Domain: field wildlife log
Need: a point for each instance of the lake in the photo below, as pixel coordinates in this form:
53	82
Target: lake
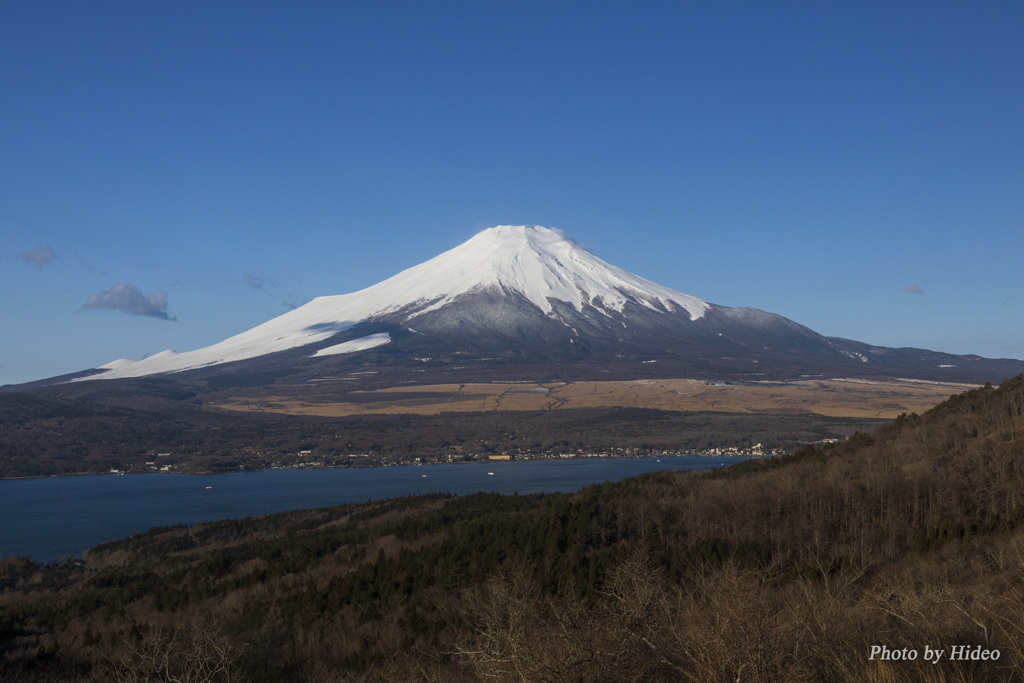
59	517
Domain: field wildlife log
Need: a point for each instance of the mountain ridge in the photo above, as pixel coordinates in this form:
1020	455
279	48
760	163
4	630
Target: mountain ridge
540	265
528	299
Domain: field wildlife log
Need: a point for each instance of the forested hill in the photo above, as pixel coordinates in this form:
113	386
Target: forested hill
788	569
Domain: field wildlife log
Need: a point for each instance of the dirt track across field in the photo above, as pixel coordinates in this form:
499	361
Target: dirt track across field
834	398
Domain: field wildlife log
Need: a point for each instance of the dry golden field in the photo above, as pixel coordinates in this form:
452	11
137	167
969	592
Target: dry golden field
834	398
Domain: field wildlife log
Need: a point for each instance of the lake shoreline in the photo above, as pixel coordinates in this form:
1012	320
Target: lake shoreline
60	517
539	458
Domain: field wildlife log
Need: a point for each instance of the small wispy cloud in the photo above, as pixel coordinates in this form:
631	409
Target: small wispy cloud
274	288
39	256
257	280
85	263
914	289
129	299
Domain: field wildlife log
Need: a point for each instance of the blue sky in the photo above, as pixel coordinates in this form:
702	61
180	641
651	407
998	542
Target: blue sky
172	173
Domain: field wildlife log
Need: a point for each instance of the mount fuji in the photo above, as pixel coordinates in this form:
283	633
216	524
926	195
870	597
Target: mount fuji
526	302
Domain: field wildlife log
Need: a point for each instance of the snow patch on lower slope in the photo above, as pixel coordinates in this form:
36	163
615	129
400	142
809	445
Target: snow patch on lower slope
309	324
354	345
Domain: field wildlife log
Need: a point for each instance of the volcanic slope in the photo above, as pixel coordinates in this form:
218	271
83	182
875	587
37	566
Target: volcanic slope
526	302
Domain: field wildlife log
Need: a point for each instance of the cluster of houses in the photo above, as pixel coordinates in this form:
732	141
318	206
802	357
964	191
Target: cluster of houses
314	458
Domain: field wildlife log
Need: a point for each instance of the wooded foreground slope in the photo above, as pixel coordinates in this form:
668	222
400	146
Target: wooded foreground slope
780	570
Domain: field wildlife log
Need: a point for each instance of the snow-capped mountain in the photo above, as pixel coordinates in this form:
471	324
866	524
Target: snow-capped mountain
527	295
533	264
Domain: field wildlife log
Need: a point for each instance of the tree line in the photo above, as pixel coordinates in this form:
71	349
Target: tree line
44	436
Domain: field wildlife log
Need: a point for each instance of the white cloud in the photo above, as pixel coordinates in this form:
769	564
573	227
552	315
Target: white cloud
258	280
128	299
39	256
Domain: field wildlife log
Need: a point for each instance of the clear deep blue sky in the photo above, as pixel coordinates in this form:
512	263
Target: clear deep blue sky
172	173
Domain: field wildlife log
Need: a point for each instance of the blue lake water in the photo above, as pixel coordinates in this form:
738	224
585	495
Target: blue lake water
59	517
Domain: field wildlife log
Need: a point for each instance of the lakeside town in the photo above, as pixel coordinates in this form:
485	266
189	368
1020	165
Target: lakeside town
312	459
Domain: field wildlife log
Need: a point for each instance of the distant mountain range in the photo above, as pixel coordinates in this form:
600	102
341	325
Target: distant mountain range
528	303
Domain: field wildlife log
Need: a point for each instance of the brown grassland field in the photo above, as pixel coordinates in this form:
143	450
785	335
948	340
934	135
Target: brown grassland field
832	397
